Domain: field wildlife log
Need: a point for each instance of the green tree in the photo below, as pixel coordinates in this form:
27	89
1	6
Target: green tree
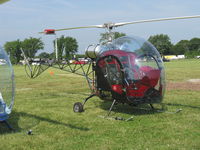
52	55
13	48
162	43
67	46
181	47
44	55
31	46
194	44
105	36
193	48
80	55
71	46
60	46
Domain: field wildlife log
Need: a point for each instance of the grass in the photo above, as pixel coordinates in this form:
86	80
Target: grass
44	105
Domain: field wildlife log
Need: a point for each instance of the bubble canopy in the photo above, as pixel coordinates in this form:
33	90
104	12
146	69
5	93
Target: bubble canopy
142	71
7	86
133	44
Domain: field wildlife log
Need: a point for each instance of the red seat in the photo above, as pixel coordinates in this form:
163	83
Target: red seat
151	76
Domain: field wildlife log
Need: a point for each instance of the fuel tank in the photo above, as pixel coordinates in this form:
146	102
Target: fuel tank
92	51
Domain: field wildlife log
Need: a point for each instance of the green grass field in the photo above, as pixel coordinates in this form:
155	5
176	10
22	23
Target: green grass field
44	105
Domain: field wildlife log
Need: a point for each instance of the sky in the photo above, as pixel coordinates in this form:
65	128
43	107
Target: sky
20	19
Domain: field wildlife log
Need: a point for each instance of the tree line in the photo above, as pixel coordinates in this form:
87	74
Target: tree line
30	46
189	48
162	42
68	46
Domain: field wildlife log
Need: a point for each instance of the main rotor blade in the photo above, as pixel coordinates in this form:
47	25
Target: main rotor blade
83	27
111	25
93	26
155	20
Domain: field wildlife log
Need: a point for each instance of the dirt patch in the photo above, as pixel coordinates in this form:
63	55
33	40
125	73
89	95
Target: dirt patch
194	80
183	86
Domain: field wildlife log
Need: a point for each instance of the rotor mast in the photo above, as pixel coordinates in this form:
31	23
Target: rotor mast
109	27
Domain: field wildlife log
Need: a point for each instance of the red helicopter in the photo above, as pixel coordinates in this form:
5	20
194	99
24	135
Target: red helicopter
125	70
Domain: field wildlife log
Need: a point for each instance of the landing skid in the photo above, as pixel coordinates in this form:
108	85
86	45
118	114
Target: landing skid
152	107
111	107
79	107
115	118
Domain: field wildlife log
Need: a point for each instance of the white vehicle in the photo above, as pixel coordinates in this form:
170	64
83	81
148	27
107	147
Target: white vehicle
2	62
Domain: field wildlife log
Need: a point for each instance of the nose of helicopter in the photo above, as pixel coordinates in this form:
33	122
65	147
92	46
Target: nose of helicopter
132	68
132	76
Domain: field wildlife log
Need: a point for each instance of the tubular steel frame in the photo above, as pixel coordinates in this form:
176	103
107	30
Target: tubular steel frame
35	68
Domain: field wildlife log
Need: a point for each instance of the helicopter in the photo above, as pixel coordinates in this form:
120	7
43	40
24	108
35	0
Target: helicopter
7	87
127	70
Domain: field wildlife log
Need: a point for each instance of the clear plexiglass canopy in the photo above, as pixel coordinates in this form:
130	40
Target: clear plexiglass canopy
142	64
6	85
133	44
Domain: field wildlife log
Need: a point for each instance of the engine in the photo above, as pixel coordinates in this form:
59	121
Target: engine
92	51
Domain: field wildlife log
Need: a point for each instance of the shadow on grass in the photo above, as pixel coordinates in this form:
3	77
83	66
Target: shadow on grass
182	105
143	109
15	117
127	109
13	122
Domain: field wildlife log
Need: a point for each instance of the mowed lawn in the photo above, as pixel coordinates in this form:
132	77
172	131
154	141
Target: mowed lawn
45	104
